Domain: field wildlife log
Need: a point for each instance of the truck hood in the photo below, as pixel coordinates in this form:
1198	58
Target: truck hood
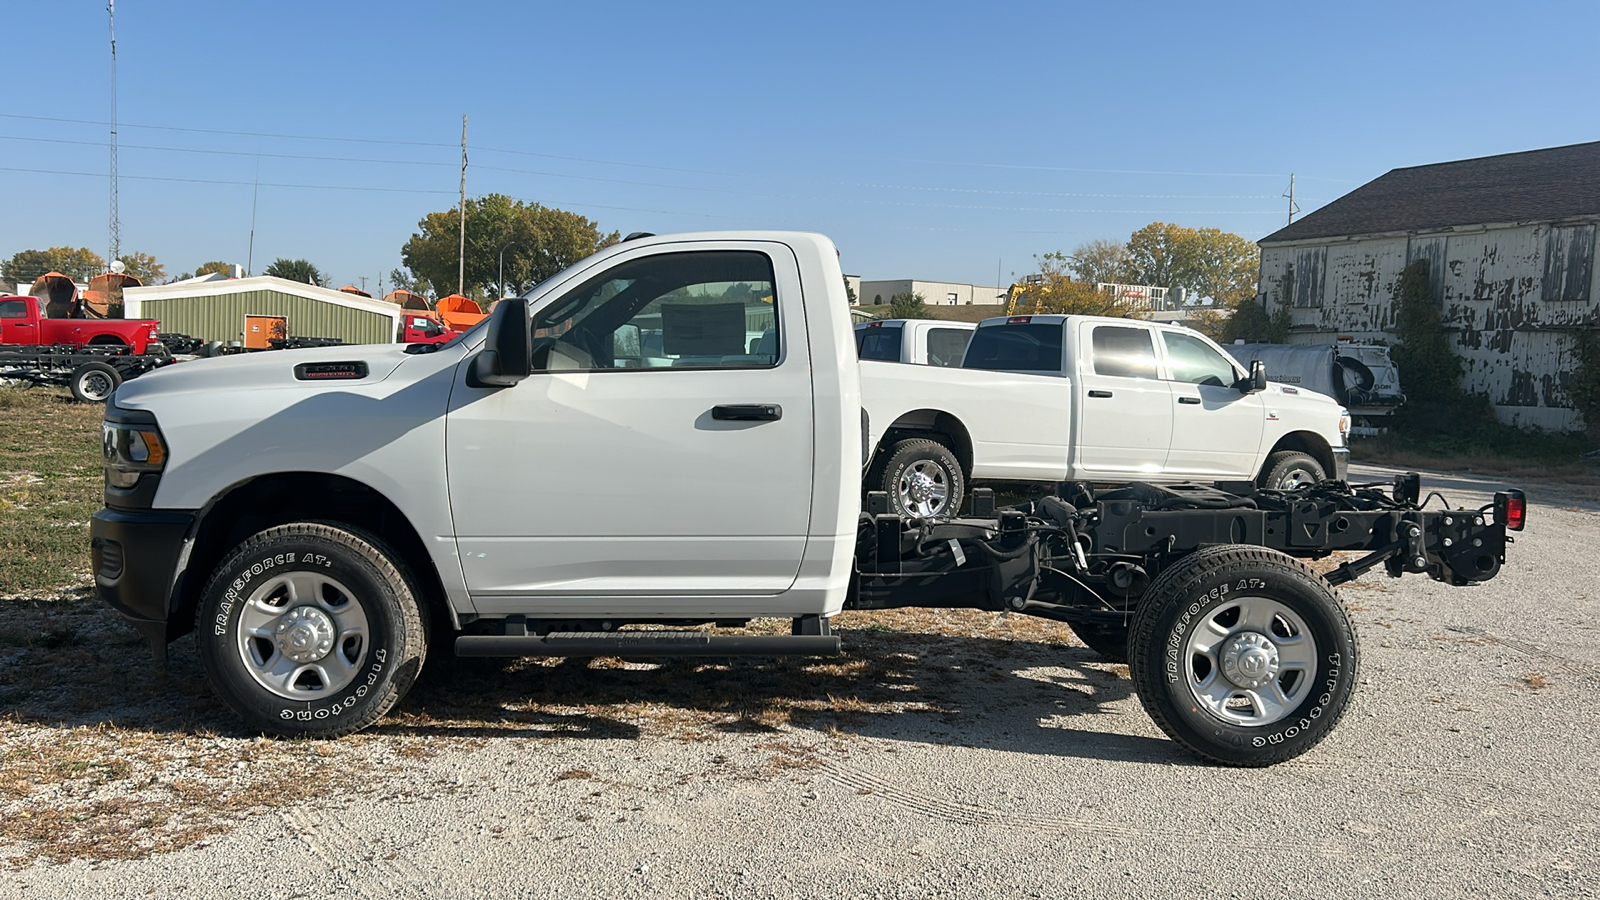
1289	395
263	369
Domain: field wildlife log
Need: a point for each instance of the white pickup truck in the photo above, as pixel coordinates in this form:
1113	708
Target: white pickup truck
670	434
1084	398
923	342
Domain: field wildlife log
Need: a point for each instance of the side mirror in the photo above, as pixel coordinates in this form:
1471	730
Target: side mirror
1256	381
507	354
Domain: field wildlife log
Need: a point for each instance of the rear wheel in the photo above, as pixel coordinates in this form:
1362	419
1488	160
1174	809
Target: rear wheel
310	629
1243	655
93	382
922	478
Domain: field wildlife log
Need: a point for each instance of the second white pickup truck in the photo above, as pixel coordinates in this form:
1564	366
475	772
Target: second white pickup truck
1084	398
923	342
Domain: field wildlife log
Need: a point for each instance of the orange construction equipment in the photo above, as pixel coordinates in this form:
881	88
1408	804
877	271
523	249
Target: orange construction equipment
352	289
459	313
406	299
58	294
105	290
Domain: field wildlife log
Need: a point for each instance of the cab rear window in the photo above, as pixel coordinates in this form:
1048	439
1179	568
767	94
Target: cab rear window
1015	348
879	343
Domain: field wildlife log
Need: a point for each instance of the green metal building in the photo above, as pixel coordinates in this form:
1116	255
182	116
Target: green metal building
216	310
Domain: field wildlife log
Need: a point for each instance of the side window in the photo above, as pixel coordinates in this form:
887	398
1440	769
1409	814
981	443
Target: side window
1124	352
1196	362
879	343
710	309
946	346
13	309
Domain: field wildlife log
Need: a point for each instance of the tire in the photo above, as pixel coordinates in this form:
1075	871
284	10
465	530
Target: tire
310	629
1110	641
922	478
1243	655
93	382
1288	470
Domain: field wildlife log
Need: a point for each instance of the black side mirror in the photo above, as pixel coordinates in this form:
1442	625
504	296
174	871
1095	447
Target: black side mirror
507	354
1256	381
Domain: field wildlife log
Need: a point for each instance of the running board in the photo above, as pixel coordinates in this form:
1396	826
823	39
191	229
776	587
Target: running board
646	643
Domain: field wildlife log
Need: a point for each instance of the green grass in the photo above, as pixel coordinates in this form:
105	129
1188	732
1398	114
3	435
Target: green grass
50	484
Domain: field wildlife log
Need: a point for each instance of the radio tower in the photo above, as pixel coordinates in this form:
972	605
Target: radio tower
116	226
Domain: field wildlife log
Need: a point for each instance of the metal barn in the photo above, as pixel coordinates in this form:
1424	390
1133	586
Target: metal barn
216	310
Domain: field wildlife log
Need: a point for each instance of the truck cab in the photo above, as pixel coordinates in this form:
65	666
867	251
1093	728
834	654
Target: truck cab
22	323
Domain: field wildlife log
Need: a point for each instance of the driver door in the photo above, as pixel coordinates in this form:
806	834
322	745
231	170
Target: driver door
662	448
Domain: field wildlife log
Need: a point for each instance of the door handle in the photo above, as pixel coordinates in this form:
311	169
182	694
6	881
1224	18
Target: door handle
1192	401
747	412
1099	394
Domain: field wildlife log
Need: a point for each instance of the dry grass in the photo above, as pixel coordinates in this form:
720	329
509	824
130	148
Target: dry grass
50	483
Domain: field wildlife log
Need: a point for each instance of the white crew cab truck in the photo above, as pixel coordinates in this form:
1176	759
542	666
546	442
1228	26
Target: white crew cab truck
670	434
1052	398
922	342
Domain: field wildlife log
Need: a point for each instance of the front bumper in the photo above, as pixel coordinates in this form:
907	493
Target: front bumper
1341	463
137	557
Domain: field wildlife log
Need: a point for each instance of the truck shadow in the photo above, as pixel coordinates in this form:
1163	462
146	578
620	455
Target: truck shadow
71	663
1000	694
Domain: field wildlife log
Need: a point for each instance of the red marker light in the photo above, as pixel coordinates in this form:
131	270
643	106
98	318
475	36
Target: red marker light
1511	508
1019	320
874	324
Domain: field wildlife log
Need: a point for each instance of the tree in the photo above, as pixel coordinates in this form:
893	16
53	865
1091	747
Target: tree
407	280
214	268
849	292
79	264
1163	255
1207	262
144	267
907	305
1252	323
1053	290
300	270
537	242
1101	261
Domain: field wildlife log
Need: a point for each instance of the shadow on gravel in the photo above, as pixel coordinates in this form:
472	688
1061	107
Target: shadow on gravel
979	692
70	663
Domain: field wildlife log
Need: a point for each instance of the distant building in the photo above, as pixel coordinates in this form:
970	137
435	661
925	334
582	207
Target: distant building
216	310
1510	246
934	293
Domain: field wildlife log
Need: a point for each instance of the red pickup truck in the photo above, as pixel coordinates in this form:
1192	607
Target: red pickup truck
22	323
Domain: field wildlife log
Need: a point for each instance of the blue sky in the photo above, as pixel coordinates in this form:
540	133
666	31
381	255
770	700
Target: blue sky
929	140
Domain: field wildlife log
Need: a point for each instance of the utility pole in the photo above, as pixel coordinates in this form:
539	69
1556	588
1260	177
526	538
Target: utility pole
1292	207
461	269
116	226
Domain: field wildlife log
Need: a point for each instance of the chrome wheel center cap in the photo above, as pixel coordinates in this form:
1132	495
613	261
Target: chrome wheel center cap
922	487
1249	659
305	634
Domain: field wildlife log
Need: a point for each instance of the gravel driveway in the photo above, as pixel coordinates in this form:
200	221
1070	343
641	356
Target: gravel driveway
1013	764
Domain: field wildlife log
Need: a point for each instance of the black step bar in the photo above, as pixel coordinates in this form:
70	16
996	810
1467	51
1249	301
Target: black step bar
646	643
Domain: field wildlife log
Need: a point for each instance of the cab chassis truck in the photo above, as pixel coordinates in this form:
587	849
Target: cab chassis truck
422	499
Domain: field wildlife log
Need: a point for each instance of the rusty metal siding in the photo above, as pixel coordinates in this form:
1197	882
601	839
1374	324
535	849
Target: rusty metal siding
1499	291
220	317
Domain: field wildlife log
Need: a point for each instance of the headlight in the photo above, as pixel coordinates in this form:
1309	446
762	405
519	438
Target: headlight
1344	426
130	451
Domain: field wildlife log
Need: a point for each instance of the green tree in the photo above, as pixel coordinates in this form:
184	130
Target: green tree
300	270
849	292
1429	367
1101	261
404	279
1252	323
537	242
1206	262
1162	255
907	305
144	267
77	263
217	267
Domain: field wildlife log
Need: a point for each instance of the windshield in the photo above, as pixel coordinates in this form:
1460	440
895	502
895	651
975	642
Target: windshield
1015	348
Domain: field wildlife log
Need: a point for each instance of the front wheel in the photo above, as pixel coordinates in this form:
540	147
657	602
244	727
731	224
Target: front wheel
1243	655
1289	470
310	629
93	382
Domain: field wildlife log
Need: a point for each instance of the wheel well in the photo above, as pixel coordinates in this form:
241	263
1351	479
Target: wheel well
101	340
284	497
934	425
1308	442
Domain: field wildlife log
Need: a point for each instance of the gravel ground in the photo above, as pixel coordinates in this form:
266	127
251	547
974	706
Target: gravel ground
1012	767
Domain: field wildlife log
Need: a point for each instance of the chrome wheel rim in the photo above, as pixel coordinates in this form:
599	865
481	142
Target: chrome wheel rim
1251	661
923	488
1297	478
302	635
